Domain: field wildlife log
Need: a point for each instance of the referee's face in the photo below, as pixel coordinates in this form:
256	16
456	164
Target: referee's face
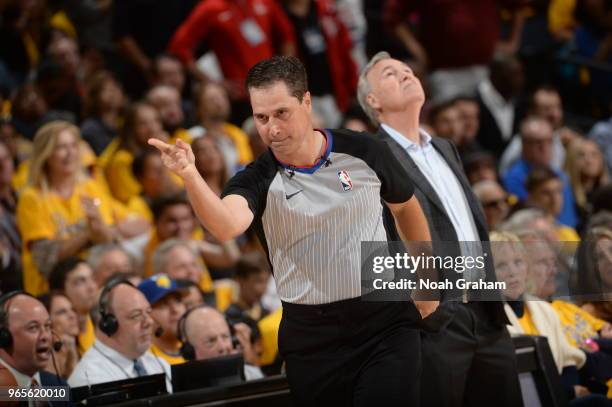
281	119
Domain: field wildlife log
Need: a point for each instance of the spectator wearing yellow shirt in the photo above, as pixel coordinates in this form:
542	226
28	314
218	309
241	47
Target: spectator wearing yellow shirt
561	20
211	166
74	277
252	275
531	315
209	163
89	166
174	218
141	123
578	324
62	212
268	327
153	178
213	110
526	314
167	308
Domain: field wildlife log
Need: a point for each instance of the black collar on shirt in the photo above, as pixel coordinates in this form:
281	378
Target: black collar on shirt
518	306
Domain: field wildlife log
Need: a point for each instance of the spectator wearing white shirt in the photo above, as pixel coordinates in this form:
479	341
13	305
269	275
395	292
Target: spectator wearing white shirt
123	337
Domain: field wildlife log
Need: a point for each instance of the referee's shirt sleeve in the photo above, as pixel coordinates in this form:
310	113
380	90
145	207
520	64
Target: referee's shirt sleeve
396	186
252	184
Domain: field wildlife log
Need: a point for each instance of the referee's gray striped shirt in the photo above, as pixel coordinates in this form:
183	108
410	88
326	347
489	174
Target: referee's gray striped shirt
312	221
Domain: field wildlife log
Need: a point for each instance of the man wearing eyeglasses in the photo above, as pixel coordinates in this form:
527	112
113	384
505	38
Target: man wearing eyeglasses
122	354
209	333
494	202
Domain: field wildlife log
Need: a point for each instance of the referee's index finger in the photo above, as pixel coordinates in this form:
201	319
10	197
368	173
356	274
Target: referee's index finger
160	145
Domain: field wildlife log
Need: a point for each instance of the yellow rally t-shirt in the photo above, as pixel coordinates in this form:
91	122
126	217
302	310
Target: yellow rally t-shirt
87	337
268	327
578	325
171	359
47	216
241	142
527	324
117	165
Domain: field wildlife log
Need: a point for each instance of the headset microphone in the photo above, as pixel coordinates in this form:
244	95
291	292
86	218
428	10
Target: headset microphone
159	331
327	162
56	342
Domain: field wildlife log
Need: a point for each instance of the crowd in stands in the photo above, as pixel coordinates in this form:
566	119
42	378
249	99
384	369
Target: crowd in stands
102	234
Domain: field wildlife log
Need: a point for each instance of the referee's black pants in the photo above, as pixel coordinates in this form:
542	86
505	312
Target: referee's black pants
471	362
352	353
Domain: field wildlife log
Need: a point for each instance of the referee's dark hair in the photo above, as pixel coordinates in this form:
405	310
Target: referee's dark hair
288	70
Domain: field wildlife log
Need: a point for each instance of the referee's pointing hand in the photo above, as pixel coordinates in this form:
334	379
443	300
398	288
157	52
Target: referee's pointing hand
178	158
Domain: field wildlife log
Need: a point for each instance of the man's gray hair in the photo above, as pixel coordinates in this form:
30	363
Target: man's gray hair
480	187
160	256
97	252
602	218
521	222
364	88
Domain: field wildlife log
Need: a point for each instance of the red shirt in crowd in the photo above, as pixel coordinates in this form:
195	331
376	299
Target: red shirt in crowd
454	33
240	32
339	45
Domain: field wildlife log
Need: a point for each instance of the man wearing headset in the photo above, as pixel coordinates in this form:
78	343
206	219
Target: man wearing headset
123	337
167	306
206	334
25	342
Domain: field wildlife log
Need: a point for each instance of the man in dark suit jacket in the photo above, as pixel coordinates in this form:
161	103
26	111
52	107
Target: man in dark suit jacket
25	345
501	107
468	357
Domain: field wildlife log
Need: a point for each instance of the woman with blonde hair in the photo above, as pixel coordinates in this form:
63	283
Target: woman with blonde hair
586	168
529	315
62	211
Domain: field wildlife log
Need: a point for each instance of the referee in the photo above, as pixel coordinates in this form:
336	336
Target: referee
312	198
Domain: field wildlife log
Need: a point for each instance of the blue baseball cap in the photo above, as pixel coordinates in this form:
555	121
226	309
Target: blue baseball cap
157	287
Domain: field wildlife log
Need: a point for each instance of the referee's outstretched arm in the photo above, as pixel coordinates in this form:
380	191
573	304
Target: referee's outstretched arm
224	218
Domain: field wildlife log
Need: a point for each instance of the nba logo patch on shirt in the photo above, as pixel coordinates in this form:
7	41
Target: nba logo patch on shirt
345	180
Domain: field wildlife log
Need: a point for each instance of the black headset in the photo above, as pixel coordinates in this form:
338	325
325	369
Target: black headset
187	350
6	338
108	322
